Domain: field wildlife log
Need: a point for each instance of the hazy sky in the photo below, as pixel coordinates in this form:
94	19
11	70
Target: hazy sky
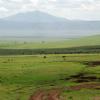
71	9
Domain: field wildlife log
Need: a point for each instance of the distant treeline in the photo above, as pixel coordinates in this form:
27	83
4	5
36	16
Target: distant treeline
73	50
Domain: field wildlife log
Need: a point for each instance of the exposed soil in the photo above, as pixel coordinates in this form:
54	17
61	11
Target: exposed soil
85	86
39	95
92	63
53	94
82	77
97	98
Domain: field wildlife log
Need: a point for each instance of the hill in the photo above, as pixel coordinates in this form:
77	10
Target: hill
39	24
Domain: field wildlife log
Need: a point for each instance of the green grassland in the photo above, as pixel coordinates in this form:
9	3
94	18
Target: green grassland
20	75
28	66
89	44
73	50
85	41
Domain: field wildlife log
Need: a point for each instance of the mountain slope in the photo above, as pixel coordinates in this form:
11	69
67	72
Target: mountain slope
40	24
35	17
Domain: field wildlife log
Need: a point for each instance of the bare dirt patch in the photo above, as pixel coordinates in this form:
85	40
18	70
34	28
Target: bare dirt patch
92	63
85	86
97	98
53	94
39	95
83	77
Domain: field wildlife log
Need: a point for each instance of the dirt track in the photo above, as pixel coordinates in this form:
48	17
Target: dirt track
54	94
97	98
51	95
39	95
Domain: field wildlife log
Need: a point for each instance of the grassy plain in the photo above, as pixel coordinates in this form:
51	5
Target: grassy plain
85	41
20	76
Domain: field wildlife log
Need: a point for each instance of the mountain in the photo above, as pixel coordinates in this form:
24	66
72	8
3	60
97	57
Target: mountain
35	17
40	24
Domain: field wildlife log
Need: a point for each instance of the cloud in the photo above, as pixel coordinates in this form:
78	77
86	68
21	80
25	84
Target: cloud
3	9
72	9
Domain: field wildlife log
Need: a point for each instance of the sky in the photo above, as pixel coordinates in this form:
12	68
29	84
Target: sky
69	9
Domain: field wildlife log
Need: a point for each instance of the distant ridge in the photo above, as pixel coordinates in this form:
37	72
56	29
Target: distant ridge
40	24
35	16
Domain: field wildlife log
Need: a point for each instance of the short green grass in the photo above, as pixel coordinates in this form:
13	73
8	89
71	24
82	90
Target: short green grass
20	76
81	95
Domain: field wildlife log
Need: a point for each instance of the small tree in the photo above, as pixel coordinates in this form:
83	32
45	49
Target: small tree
64	57
44	57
